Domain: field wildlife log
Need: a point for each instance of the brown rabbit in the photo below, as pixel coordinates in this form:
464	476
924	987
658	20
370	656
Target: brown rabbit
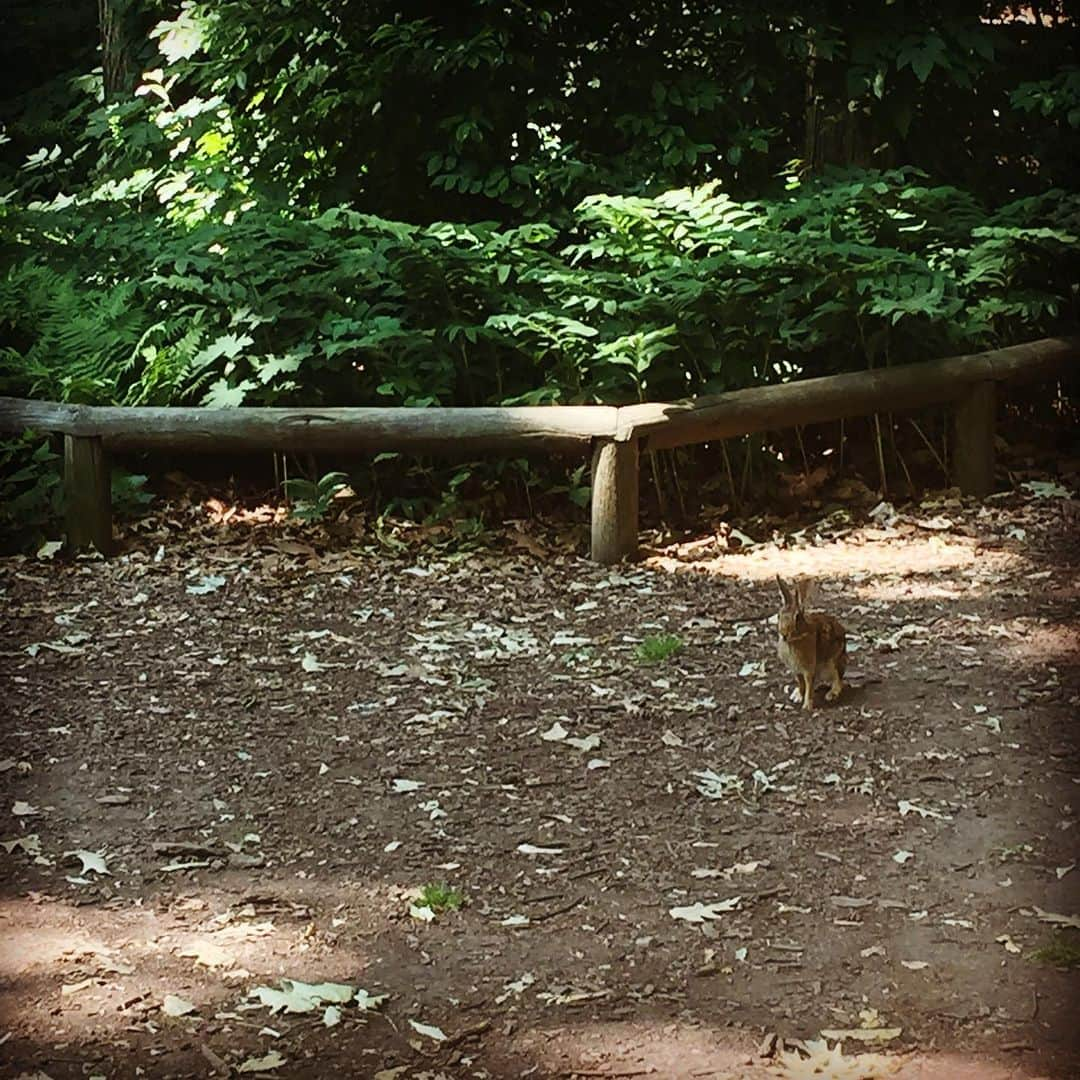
810	643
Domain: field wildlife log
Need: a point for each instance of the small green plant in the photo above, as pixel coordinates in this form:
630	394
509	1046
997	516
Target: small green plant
128	494
656	649
312	501
578	487
440	897
31	494
1063	952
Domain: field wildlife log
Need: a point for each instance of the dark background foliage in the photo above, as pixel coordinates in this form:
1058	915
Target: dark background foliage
475	202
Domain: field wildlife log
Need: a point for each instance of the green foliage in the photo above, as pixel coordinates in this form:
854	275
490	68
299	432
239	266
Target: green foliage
658	648
578	487
129	497
689	292
440	897
31	493
1063	951
312	501
395	203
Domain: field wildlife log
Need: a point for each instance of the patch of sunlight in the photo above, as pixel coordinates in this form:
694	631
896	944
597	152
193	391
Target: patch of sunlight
220	513
911	558
1044	645
678	1052
85	968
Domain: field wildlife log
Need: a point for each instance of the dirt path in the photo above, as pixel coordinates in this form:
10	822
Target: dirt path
272	751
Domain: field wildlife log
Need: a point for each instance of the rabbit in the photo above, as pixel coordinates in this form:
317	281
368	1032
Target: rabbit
810	643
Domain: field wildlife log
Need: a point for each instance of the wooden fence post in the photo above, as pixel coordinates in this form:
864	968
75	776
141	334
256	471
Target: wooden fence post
973	442
614	500
87	494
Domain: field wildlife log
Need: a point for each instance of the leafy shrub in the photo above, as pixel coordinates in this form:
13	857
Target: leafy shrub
31	493
690	292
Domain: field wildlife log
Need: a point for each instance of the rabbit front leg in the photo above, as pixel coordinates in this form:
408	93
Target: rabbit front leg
807	683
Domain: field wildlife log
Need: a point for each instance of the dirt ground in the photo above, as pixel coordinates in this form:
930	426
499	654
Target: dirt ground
262	748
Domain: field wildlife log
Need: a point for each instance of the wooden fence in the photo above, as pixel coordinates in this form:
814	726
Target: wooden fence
614	436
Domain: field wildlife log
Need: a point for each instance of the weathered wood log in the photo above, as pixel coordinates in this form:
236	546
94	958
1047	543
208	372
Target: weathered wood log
973	441
87	494
617	434
547	429
833	397
614	501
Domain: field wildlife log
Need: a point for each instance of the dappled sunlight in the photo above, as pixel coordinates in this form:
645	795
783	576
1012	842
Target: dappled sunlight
912	558
98	968
275	785
659	1047
684	1050
1035	645
221	513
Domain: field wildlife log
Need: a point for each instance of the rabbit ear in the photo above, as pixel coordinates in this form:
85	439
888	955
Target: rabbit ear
804	587
787	594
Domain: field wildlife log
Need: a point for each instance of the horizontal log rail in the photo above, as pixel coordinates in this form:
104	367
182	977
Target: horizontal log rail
834	397
614	435
563	428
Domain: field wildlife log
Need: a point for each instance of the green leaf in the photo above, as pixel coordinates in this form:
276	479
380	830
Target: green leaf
223	396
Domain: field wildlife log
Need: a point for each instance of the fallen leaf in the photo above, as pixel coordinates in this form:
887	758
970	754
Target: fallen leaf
29	844
698	912
300	997
273	1060
532	849
830	1062
208	954
1055	919
590	742
91	861
1045	489
905	807
427	1030
366	1002
207	584
176	1006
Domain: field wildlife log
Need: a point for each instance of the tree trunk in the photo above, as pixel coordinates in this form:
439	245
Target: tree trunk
117	69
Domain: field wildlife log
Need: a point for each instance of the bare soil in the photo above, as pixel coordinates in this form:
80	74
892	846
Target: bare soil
274	743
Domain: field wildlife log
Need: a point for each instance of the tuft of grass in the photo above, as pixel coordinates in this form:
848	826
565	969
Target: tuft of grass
440	897
1062	952
655	649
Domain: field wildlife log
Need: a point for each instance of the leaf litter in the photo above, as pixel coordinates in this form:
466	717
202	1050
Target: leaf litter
456	670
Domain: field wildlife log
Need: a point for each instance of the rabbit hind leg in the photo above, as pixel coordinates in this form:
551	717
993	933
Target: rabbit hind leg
836	678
